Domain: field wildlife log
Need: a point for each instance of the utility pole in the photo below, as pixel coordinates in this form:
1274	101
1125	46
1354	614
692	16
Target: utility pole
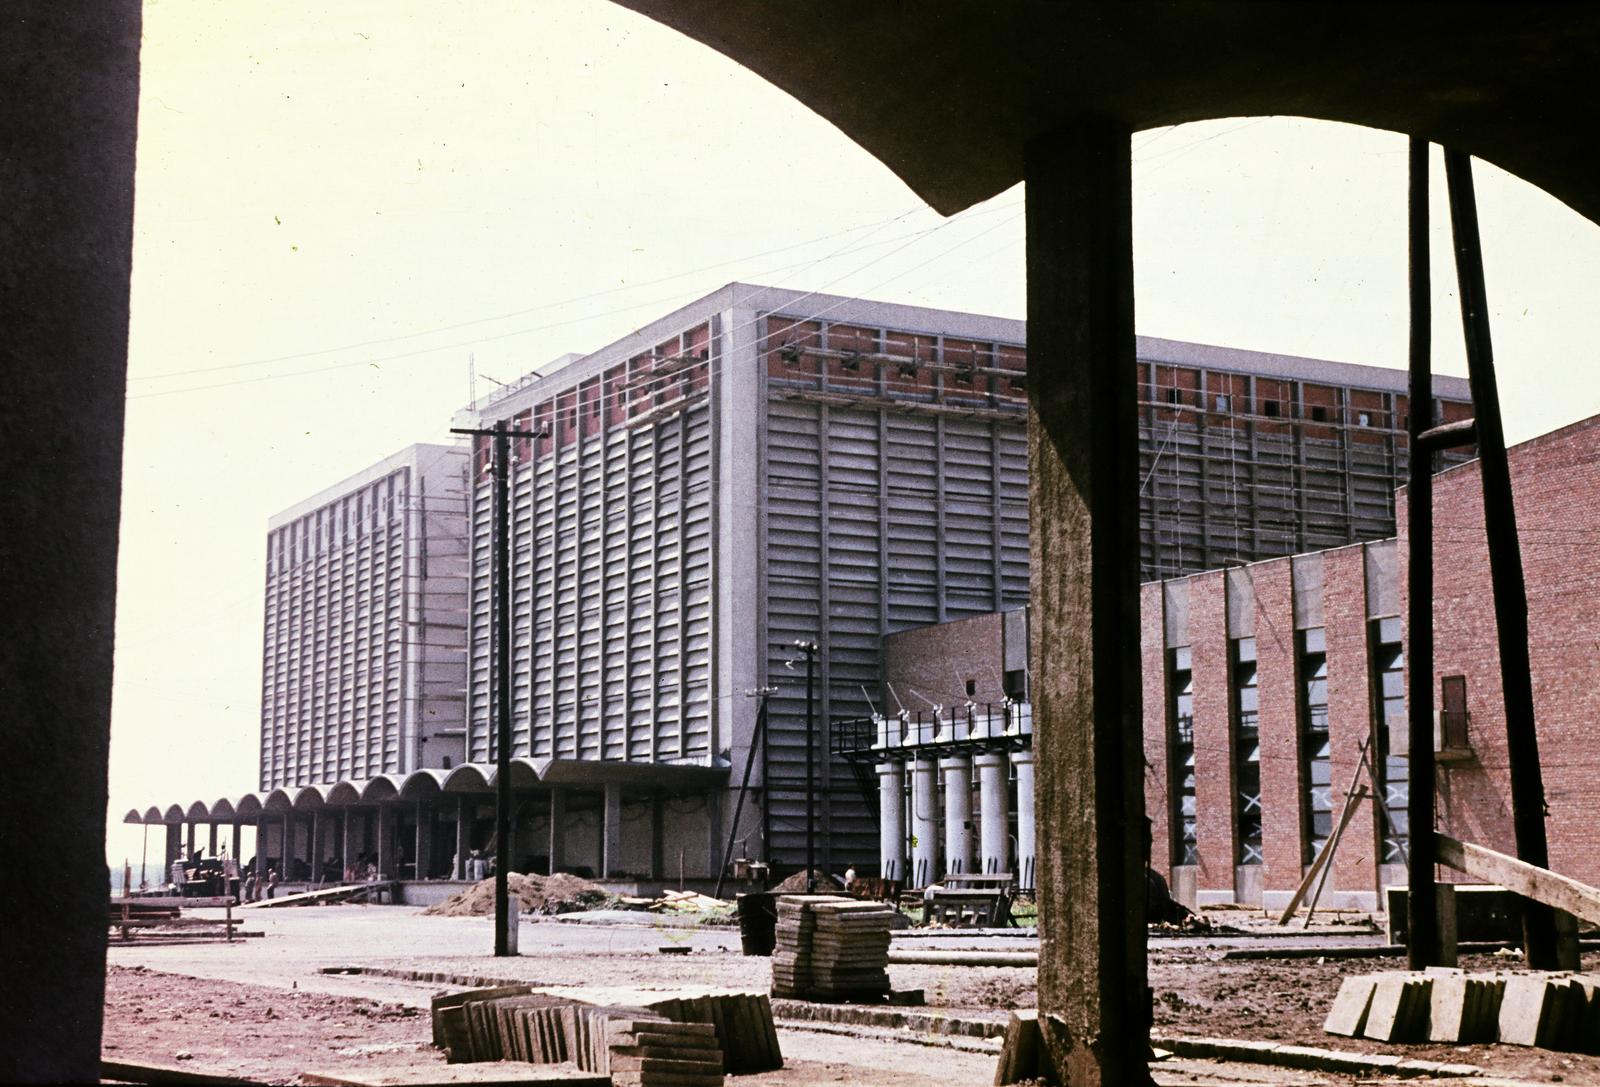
810	650
504	920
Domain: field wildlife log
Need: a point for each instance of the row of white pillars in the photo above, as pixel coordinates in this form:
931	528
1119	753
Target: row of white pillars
994	839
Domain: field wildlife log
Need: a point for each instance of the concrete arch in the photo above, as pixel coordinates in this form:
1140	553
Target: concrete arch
223	810
468	778
248	806
308	798
277	802
386	787
152	816
422	784
174	814
134	816
525	773
1508	82
198	812
345	793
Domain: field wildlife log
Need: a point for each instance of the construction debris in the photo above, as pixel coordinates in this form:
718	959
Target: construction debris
796	884
684	1041
1551	1011
560	893
830	947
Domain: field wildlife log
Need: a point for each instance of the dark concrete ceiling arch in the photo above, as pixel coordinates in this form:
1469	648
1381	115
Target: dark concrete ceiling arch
947	95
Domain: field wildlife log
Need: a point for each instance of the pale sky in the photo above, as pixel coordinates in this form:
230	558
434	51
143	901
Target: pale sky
335	208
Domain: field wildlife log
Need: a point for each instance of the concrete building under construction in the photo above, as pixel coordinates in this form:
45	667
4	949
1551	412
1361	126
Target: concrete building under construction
763	467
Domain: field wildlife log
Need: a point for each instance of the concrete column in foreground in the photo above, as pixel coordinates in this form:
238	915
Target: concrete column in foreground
424	841
189	829
174	849
1083	454
892	820
957	773
211	840
261	846
924	824
994	830
465	812
385	846
611	831
314	848
1023	761
658	837
558	830
238	842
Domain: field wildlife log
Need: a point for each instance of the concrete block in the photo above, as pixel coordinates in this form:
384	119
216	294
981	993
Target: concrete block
1525	1009
1447	1007
1348	1016
1399	1008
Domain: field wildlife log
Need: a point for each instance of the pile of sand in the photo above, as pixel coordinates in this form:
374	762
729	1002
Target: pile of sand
796	884
560	893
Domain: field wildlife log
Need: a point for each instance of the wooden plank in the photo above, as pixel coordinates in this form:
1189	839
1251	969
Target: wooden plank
1530	881
130	1072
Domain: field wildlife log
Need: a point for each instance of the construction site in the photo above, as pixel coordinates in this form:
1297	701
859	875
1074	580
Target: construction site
806	689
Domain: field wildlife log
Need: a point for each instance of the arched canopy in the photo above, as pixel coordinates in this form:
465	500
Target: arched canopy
134	816
248	807
467	778
173	814
152	815
345	793
277	802
948	95
223	810
525	773
307	798
386	787
198	812
422	784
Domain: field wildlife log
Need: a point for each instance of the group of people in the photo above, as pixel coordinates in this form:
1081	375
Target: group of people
255	888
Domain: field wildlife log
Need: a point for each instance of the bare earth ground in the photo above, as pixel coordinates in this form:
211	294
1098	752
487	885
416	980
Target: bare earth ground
266	1011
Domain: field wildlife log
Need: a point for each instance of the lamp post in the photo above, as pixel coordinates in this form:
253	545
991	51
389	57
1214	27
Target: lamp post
810	650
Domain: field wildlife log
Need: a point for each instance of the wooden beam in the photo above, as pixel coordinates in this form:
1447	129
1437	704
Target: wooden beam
1540	884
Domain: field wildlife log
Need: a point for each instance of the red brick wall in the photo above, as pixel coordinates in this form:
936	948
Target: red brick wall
1153	677
1555	479
1280	748
938	660
1344	610
1213	760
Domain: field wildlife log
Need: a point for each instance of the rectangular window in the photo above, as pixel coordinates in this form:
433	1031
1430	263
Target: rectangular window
1388	670
1185	848
1246	753
1270	409
1316	765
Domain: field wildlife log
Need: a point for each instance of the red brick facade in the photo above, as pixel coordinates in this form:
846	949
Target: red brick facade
1555	480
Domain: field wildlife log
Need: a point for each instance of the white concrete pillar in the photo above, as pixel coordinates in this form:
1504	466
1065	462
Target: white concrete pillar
611	831
924	824
957	813
892	820
1023	761
994	832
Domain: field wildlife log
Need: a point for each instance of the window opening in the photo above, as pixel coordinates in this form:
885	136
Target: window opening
1316	765
1246	752
1180	718
1388	666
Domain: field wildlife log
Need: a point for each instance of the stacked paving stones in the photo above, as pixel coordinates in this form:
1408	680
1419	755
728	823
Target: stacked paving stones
831	948
681	1041
1552	1011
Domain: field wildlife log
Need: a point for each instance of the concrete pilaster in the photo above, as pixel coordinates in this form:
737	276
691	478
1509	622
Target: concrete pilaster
957	813
238	841
465	812
211	840
558	830
611	830
994	842
658	837
924	824
385	846
188	838
1023	761
892	820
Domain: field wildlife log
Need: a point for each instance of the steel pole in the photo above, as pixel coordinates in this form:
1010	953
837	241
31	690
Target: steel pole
810	650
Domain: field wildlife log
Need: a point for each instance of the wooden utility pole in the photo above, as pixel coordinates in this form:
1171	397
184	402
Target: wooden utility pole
1505	559
504	919
1084	454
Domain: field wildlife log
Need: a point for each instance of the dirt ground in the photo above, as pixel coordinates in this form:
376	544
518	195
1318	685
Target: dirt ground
269	1008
